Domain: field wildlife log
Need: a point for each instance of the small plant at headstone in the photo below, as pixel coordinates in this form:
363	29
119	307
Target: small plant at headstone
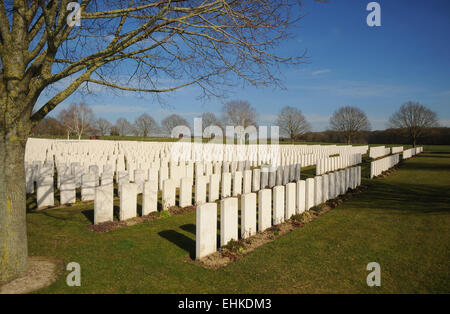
236	247
303	218
164	214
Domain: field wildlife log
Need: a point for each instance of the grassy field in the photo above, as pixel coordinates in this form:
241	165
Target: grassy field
402	222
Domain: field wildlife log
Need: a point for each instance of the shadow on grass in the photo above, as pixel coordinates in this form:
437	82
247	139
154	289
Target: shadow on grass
189	228
180	240
421	198
89	214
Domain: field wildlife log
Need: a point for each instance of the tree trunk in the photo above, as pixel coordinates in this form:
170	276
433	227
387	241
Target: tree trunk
13	234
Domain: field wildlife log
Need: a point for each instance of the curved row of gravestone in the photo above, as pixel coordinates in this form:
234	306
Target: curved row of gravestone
268	207
209	188
141	153
328	164
377	167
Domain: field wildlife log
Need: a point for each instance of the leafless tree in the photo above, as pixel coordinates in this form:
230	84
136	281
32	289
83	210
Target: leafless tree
172	121
349	121
165	45
124	126
239	113
114	131
103	126
145	125
77	119
415	119
208	119
292	122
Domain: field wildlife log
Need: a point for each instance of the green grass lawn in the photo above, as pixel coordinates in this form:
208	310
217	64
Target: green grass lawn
402	222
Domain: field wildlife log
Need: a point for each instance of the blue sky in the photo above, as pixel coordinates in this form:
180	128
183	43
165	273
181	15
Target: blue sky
349	63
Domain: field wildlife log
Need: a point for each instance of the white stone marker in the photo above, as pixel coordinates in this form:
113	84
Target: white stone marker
228	219
278	204
87	187
107	179
237	183
332	185
342	184
163	175
139	179
44	191
248	215
290	200
150	197
213	189
226	185
317	190
325	188
256	177
200	190
247	188
301	196
185	198
67	191
128	201
359	175
168	194
347	179
309	193
103	204
264	209
206	230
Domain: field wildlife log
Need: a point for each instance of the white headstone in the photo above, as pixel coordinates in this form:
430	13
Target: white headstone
248	215
150	197
206	230
228	220
278	204
128	201
103	204
264	209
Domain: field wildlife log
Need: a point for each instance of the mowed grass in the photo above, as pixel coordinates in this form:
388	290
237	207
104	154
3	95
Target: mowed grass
402	222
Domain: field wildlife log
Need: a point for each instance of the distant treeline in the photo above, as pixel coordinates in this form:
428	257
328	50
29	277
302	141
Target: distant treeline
432	136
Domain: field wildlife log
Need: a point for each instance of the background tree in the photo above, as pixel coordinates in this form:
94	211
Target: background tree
172	121
77	119
193	42
415	119
239	113
208	119
114	131
145	125
103	126
49	126
292	122
350	121
124	127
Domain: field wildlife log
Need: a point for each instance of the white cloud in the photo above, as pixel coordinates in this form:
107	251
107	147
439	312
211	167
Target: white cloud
318	72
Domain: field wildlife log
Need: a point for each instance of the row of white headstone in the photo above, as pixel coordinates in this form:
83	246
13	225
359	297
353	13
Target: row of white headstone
73	177
154	154
408	153
378	166
379	151
207	188
268	207
325	165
